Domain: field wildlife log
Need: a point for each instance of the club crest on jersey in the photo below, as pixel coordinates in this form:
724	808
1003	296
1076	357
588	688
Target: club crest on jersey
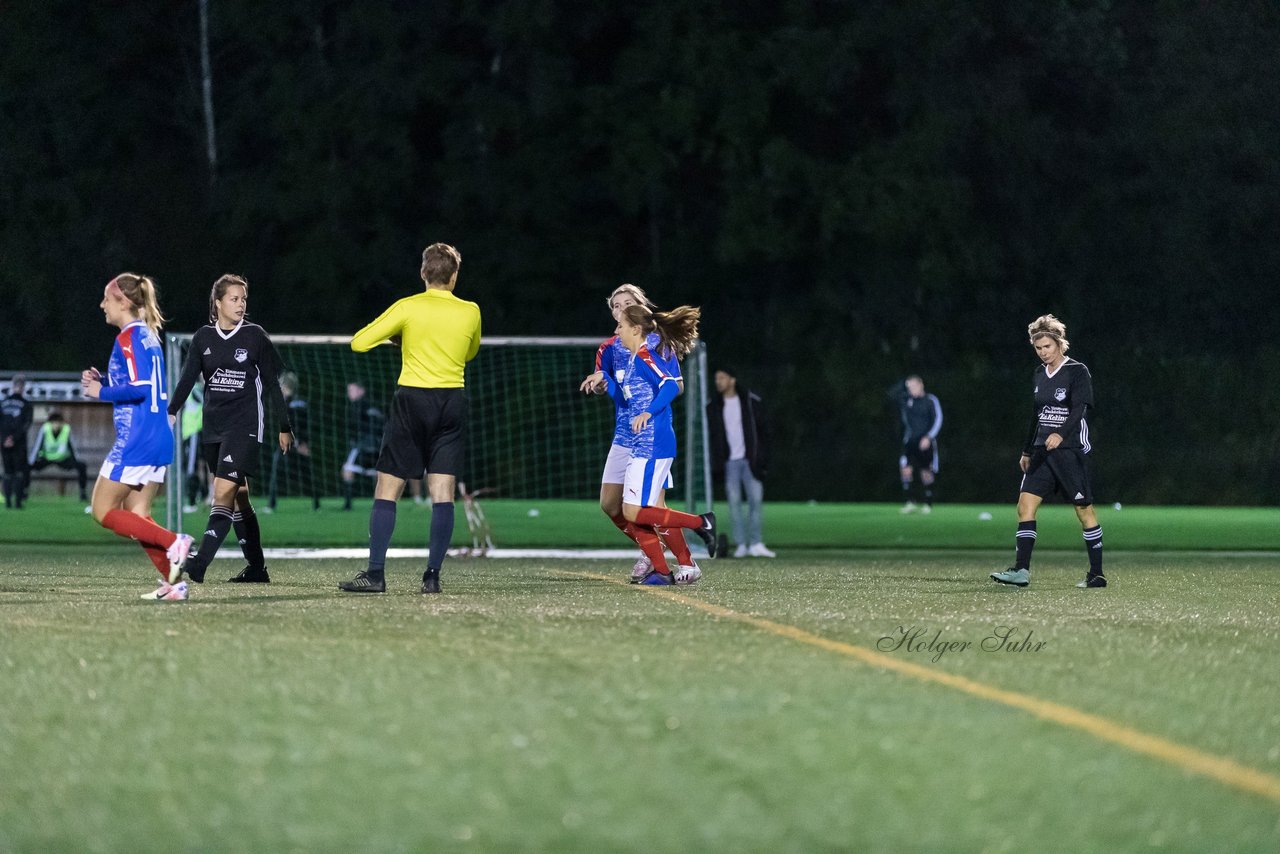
242	354
1059	394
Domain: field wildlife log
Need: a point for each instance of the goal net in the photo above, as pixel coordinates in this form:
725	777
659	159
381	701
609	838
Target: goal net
531	434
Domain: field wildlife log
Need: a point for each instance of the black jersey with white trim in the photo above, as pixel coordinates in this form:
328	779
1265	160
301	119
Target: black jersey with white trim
240	370
1063	399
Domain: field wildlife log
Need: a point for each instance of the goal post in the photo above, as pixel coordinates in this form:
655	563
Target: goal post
531	434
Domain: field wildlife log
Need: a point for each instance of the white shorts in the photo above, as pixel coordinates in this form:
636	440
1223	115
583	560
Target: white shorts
132	475
645	481
615	465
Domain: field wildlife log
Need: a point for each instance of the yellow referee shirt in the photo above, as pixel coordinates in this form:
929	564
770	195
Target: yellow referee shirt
439	334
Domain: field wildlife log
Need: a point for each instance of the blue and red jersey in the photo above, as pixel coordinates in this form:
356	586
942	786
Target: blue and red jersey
612	359
650	382
135	385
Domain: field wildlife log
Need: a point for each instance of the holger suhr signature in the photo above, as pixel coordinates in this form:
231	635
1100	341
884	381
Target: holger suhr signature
925	641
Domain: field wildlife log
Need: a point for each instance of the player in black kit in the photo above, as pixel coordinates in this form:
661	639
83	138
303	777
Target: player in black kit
921	415
1055	457
239	365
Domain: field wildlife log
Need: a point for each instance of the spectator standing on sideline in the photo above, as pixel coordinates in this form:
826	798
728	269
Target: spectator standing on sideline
739	453
15	420
364	431
296	466
438	335
54	448
921	420
1055	456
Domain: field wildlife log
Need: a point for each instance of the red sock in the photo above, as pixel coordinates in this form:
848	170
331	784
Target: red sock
674	538
651	546
665	517
160	557
623	525
140	528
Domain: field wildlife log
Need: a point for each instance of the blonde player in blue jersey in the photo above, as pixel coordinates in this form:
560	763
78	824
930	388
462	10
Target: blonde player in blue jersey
135	466
612	358
648	387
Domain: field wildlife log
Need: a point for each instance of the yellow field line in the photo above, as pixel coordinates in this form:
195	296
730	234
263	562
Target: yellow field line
1219	768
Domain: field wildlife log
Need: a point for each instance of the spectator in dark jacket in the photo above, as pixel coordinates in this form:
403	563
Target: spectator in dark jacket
15	421
739	443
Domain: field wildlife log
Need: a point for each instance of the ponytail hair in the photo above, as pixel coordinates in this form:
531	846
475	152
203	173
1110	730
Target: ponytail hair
219	291
677	329
141	293
1048	326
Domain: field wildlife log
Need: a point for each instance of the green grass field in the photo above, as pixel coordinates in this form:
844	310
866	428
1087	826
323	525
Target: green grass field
580	524
543	706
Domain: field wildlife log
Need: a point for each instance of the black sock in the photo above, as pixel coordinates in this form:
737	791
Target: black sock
8	491
441	533
928	494
382	523
215	532
348	489
1025	541
250	537
1093	545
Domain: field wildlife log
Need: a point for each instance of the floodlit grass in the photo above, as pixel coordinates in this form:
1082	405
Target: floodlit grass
535	707
787	525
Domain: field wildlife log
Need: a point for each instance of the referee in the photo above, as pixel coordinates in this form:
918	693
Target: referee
426	431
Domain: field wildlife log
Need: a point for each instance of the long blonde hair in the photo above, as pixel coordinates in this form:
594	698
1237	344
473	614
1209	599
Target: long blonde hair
142	293
633	291
1048	326
677	329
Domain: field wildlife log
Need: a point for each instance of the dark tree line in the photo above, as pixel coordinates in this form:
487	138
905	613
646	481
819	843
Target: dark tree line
851	191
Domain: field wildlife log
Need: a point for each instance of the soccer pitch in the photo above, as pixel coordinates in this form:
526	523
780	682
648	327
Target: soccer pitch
832	699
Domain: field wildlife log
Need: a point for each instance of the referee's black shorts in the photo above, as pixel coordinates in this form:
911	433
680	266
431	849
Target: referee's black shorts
1066	471
426	433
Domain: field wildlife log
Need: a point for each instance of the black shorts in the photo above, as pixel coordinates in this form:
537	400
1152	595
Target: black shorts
1066	471
425	433
918	459
232	459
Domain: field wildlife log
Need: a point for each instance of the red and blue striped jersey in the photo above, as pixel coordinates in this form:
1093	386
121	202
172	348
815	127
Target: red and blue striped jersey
135	385
612	359
649	384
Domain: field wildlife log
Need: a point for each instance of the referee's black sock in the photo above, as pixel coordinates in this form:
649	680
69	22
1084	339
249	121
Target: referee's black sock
1093	545
382	523
441	533
1024	542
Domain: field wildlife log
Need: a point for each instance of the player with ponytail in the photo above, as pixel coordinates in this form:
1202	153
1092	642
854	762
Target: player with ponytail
647	388
135	466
